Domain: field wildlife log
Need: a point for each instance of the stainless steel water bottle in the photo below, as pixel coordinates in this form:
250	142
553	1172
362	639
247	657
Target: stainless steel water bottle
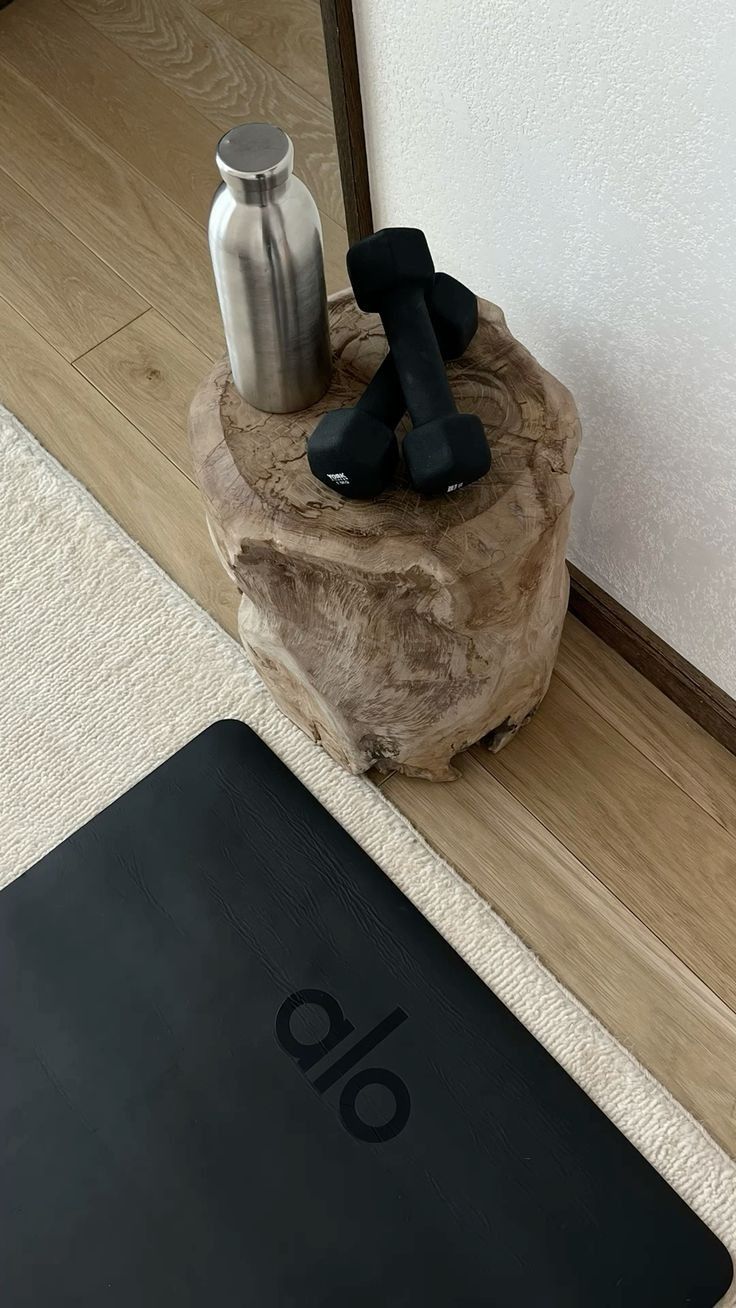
266	246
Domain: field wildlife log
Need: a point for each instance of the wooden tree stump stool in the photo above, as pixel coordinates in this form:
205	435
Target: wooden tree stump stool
397	632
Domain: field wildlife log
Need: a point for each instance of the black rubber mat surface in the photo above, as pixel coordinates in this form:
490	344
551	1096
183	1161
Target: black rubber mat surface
237	1067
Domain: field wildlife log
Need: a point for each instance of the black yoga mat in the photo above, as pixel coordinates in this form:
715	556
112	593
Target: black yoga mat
239	1068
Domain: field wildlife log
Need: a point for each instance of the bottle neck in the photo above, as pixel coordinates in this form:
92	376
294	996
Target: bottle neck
252	192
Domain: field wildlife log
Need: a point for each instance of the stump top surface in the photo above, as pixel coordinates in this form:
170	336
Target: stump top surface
253	471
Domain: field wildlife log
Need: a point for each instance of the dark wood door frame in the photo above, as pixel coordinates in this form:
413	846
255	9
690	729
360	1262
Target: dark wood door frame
347	107
643	649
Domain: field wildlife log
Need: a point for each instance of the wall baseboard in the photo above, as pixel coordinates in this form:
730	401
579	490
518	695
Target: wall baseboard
690	689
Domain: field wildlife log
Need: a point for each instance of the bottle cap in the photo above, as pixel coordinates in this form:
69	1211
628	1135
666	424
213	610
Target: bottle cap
259	155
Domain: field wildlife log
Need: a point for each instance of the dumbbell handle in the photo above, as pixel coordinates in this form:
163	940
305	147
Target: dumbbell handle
419	363
383	397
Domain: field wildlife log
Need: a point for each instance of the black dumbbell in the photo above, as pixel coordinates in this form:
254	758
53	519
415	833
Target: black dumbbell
391	274
354	451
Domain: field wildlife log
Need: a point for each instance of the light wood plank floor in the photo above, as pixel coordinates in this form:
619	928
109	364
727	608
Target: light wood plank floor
605	834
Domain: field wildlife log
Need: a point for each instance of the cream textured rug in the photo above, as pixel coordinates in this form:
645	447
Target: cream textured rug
108	668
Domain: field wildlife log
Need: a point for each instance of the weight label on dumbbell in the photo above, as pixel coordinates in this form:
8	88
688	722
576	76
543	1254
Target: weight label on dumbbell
339	478
306	1056
456	485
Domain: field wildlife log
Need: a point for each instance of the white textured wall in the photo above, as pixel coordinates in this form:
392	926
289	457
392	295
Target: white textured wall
573	160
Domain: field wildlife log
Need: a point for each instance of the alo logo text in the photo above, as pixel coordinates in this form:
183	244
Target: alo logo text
307	1055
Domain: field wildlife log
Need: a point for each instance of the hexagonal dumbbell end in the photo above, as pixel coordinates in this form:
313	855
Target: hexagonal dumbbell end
385	262
353	452
447	453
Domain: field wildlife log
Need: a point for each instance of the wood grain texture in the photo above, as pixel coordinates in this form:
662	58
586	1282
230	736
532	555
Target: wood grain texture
69	295
654	847
148	496
195	61
149	372
130	110
288	35
347	106
398	632
148	241
131	117
592	942
666	735
684	684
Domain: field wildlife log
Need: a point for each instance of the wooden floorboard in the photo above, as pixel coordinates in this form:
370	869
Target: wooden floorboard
136	116
138	485
605	834
72	298
654	1004
149	371
654	847
213	74
670	739
288	35
128	109
124	219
